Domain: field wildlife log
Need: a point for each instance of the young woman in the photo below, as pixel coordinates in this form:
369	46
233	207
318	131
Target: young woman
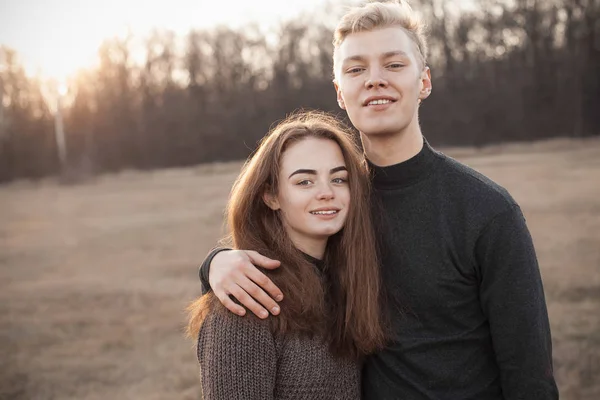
303	199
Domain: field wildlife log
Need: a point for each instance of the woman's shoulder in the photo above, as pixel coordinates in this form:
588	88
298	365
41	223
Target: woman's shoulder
220	321
224	333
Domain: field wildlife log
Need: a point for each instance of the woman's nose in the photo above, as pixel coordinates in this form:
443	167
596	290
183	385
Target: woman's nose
325	192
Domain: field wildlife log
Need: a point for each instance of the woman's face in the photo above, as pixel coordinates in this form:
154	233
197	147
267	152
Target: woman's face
313	195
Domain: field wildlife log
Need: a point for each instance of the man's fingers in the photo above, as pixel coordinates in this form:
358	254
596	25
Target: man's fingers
260	296
239	277
262	261
230	304
248	302
267	285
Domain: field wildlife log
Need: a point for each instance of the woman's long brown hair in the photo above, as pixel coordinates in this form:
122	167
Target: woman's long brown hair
343	304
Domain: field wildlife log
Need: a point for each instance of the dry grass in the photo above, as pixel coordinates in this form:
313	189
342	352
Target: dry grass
94	277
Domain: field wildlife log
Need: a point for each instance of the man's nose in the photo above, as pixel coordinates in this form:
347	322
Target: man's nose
376	79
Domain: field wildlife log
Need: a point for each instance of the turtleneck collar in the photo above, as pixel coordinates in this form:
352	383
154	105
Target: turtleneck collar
405	173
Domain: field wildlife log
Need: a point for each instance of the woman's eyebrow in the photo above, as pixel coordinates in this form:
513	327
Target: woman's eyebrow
303	171
336	169
314	172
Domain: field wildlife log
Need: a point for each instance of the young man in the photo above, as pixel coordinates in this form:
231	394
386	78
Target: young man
465	296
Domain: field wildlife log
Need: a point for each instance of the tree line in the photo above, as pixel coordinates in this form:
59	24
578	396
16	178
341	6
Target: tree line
507	71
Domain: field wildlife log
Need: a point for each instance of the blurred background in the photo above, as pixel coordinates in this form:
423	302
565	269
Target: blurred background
124	123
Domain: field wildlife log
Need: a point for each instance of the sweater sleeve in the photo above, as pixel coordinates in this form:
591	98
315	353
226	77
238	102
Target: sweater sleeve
204	269
237	358
512	297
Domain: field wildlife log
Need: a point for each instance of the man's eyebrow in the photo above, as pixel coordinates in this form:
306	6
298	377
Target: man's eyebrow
353	58
314	172
395	53
387	54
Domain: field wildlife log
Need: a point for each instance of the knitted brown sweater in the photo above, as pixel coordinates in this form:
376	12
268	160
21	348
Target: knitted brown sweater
241	359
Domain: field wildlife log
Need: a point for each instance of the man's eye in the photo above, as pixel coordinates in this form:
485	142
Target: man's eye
396	65
354	70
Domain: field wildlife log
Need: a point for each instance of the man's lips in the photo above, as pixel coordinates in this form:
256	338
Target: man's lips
378	100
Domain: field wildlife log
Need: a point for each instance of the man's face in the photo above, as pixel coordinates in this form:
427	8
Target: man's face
380	80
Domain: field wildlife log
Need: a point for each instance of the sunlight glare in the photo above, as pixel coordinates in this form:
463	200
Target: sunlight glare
62	89
68	33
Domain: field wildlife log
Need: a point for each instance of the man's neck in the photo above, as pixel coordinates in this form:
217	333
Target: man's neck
388	150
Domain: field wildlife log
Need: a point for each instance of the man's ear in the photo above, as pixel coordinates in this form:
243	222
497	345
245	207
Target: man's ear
425	83
271	200
338	92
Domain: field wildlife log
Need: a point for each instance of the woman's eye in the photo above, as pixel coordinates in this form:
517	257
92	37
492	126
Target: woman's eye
304	182
340	180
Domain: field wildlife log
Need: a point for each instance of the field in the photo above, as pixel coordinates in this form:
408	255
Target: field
94	277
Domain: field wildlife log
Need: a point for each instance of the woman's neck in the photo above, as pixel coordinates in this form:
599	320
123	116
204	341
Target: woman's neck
313	247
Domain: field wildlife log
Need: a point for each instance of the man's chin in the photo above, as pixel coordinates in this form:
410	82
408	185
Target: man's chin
380	131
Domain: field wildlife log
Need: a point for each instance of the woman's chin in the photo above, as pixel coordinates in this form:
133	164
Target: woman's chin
326	232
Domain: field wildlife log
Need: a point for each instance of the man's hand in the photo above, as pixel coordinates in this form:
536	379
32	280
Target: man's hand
233	273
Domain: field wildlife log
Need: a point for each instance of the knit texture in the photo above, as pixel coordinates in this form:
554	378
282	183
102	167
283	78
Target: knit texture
241	359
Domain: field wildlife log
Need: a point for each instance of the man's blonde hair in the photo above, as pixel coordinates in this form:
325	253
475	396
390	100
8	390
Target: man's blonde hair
378	15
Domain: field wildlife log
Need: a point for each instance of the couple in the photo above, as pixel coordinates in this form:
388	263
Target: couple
448	304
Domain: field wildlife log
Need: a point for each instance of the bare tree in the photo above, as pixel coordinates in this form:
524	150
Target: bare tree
509	70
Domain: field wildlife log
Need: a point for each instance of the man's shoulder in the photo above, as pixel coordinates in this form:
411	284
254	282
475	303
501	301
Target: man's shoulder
473	184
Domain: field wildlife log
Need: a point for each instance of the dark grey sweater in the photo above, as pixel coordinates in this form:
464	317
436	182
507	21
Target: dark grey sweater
464	289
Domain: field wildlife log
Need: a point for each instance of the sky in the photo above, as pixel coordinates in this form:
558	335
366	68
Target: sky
54	38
